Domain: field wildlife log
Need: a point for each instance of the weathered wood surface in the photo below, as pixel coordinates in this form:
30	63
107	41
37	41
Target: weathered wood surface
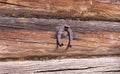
34	39
103	65
72	9
26	37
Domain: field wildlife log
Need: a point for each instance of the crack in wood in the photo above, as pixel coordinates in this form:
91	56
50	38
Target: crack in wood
24	41
66	69
15	4
110	71
11	27
33	27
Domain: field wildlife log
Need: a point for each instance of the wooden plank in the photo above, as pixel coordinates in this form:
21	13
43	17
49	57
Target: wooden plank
26	37
102	65
72	9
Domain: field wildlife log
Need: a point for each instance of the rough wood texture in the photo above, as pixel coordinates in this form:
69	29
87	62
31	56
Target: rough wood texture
25	37
34	39
72	9
104	65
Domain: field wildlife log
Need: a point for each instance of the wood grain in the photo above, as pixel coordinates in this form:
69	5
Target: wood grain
62	9
103	65
27	37
27	32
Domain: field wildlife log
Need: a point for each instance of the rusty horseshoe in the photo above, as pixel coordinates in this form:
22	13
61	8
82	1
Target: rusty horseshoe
59	33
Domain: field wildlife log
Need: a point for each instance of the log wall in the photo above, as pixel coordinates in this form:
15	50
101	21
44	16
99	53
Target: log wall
25	37
62	9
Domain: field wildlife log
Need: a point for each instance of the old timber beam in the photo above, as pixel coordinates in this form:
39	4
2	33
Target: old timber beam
27	37
67	9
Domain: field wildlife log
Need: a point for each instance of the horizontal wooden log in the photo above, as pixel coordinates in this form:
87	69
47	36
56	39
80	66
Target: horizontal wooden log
104	65
72	9
27	37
